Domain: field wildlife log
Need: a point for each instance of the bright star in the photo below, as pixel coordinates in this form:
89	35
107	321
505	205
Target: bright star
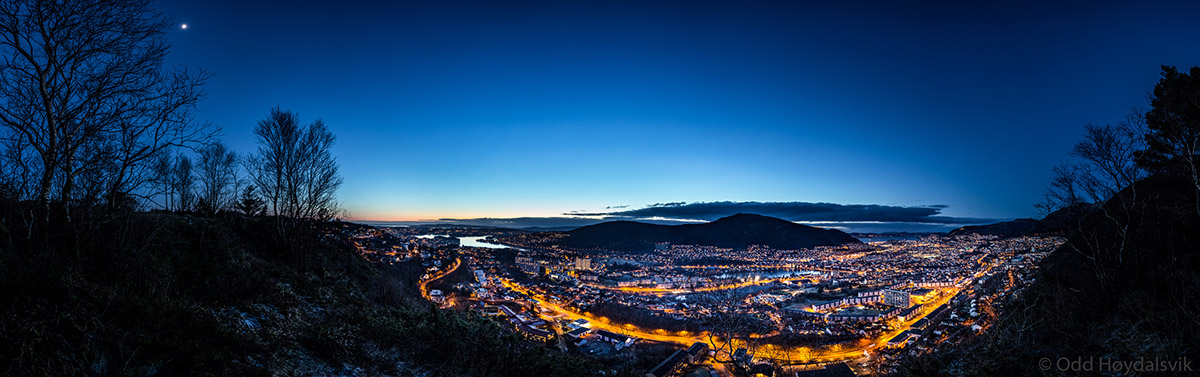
183	26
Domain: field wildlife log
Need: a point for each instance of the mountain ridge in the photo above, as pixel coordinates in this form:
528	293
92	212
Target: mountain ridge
736	231
1057	222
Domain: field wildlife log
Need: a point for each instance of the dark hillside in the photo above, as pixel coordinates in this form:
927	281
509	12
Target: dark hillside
1058	222
1110	291
166	294
1012	228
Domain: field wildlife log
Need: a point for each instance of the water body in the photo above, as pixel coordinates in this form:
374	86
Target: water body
471	241
768	275
478	242
913	237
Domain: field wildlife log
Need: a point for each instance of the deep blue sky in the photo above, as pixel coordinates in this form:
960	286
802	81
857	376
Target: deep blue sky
464	109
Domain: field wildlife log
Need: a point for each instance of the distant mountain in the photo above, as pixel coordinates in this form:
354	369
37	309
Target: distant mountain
1056	222
861	235
737	231
548	228
1014	228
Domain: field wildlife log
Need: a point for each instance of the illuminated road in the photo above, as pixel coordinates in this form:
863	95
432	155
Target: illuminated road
425	283
597	323
662	291
799	354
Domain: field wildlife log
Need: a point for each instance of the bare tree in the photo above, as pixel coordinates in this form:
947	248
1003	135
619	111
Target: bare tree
218	175
183	183
162	180
730	329
78	74
294	168
1064	191
17	163
92	169
1107	166
1110	155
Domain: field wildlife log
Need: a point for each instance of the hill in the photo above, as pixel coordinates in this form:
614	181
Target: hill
1122	287
1057	222
738	231
171	294
1012	228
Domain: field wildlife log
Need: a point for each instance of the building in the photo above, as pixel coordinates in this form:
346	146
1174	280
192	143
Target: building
618	340
835	370
911	312
481	277
437	296
583	264
890	297
939	284
743	357
672	365
578	333
490	310
697	352
896	298
531	330
528	265
939	311
900	339
826	306
922	324
675	363
507	311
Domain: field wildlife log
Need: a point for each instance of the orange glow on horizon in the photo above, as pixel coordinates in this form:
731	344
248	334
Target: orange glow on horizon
371	216
416	211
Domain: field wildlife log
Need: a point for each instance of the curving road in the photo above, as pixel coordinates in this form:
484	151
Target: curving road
662	291
827	354
424	286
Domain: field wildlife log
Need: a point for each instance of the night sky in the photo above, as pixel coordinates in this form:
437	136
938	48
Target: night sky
447	109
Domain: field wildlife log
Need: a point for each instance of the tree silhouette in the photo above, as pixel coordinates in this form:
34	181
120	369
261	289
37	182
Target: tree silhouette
1107	164
729	329
294	167
1173	143
162	180
183	183
218	175
250	203
83	93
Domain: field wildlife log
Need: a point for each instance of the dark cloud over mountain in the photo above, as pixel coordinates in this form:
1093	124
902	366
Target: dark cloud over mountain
794	211
848	217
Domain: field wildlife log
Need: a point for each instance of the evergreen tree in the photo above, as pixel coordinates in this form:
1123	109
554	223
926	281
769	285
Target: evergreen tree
1173	143
250	203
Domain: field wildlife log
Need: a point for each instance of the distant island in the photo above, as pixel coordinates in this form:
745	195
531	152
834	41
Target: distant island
736	232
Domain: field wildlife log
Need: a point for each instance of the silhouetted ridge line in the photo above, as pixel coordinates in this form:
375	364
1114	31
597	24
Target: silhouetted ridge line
737	232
